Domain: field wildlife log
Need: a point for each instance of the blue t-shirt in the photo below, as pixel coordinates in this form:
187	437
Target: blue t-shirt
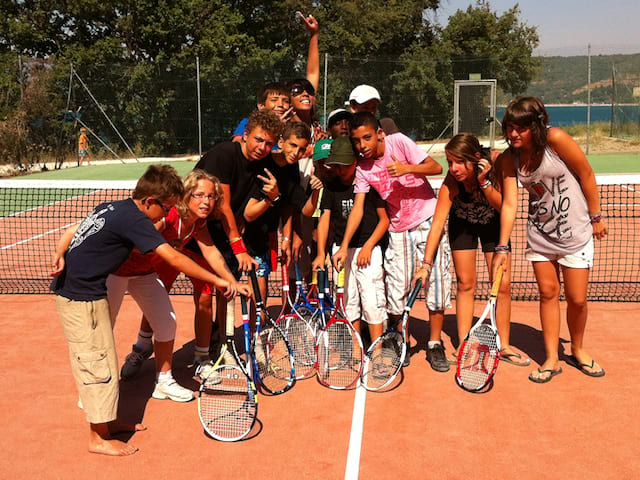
101	244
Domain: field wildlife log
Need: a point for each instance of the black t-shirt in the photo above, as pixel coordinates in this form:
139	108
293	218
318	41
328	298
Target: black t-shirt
227	162
256	235
339	198
101	244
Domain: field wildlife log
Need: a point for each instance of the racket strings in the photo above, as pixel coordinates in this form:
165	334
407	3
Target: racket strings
478	358
227	405
273	359
339	355
384	360
302	341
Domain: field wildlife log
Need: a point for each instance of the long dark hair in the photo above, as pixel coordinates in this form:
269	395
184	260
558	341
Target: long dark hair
465	146
528	112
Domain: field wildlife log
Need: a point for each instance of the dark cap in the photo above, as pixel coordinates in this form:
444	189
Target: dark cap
341	152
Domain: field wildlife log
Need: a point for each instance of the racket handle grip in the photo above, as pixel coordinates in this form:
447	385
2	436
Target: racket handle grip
497	281
243	305
414	293
255	286
296	267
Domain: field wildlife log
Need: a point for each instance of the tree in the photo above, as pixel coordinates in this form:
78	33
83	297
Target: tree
496	46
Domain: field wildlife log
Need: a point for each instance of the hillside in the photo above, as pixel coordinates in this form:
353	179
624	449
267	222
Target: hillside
564	79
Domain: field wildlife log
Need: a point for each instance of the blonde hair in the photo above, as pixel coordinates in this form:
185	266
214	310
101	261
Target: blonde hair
190	183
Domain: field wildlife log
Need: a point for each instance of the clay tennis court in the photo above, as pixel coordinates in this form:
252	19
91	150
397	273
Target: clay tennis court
573	427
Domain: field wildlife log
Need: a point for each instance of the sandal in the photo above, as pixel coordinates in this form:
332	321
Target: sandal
514	358
539	379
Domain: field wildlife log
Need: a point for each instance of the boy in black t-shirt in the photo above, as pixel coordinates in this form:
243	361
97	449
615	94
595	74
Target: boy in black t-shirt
364	277
84	258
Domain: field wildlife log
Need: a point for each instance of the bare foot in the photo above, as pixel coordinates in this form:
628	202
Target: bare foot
120	426
114	448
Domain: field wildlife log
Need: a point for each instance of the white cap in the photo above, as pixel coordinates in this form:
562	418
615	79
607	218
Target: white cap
338	112
364	93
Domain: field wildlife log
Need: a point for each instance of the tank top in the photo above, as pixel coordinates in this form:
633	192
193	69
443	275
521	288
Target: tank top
472	207
558	218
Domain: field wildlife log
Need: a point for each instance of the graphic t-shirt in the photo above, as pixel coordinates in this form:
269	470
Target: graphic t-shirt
101	244
339	198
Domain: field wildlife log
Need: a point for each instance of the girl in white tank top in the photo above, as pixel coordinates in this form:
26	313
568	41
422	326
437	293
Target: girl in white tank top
564	216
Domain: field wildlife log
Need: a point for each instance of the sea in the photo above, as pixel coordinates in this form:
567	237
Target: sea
563	115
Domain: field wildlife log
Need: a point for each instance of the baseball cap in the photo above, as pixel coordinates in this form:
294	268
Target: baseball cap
364	93
338	114
341	152
322	149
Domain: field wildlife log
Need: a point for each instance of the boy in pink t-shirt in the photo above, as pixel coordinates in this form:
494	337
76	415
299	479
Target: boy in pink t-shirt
396	168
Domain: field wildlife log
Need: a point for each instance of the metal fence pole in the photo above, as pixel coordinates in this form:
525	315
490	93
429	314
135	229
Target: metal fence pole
199	111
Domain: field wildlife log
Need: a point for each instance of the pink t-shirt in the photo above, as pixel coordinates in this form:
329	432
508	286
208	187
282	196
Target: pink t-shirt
410	198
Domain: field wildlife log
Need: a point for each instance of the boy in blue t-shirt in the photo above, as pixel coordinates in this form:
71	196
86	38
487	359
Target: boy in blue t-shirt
84	258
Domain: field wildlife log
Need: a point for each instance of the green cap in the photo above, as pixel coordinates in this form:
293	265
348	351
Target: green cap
341	152
322	149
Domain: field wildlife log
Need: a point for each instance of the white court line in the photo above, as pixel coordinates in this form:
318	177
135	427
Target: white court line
355	439
64	227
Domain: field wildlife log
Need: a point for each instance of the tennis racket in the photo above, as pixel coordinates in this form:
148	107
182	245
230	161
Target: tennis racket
299	333
228	401
480	352
273	354
384	358
302	304
339	347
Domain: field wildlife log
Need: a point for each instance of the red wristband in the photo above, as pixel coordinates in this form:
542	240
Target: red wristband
238	247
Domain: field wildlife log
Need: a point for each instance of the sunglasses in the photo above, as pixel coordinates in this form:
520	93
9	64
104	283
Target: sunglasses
300	88
162	205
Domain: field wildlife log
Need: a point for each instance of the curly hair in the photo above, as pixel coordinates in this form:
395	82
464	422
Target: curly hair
268	120
528	112
190	183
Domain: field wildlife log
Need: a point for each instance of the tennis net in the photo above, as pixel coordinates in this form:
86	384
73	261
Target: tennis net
33	215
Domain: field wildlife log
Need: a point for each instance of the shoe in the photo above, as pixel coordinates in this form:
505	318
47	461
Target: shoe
172	390
133	362
574	362
538	379
407	360
204	368
437	358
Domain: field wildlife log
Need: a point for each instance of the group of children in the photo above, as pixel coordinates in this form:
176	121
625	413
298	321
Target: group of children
252	200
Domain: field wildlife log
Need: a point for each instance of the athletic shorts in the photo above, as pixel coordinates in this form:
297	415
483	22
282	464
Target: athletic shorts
92	351
83	153
364	290
405	249
151	296
580	259
464	235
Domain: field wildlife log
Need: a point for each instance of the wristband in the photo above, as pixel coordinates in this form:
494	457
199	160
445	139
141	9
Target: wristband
485	185
427	262
286	239
595	218
238	246
502	249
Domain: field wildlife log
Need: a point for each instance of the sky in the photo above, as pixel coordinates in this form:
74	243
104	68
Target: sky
566	27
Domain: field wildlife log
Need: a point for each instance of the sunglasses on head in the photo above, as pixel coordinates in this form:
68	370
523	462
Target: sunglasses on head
300	88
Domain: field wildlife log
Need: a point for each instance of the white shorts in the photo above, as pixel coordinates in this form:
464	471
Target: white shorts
365	297
151	296
580	259
400	264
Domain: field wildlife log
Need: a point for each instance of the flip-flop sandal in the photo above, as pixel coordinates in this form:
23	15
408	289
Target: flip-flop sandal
574	362
552	373
453	359
515	358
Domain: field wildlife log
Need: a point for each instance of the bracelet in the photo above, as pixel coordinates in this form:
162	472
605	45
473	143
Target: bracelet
427	262
595	218
238	246
502	249
286	239
485	185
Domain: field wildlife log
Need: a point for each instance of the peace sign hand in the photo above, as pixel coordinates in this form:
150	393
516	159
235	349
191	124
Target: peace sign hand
270	187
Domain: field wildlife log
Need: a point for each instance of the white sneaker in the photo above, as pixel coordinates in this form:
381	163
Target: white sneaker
172	390
204	368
